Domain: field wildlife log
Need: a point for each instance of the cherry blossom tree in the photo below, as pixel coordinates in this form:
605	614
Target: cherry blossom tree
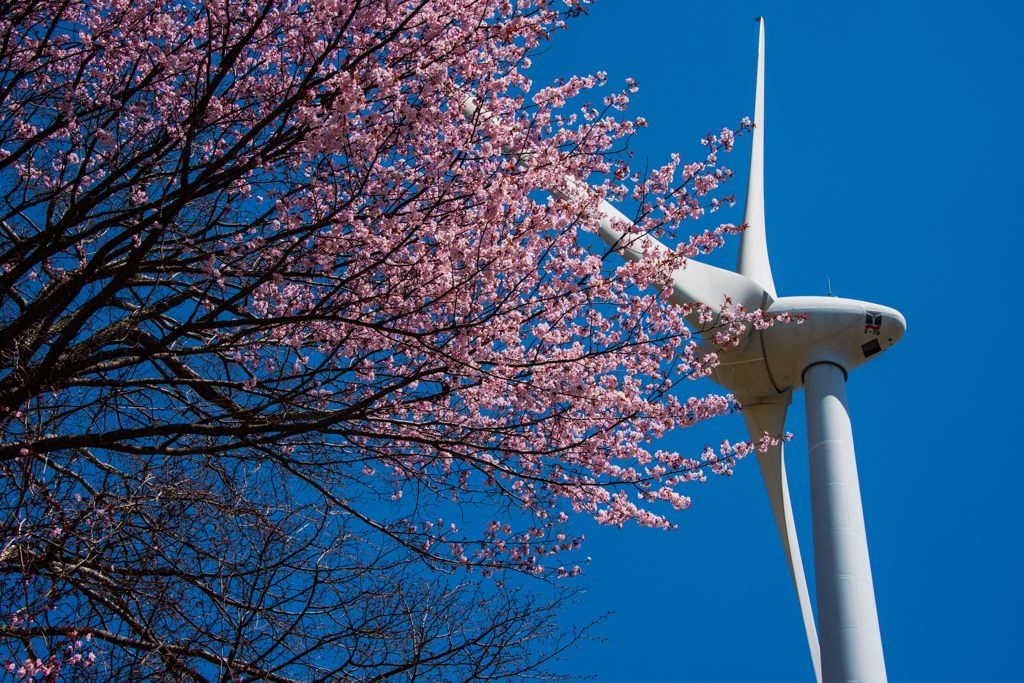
299	367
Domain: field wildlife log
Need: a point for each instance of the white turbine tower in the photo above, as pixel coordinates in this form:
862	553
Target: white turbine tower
837	336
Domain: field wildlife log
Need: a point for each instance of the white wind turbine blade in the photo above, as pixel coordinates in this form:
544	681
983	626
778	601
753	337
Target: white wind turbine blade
695	283
753	258
770	416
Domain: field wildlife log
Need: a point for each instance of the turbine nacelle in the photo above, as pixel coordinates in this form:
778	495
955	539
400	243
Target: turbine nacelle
844	332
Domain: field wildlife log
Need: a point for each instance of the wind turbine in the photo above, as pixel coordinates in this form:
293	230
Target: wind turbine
837	336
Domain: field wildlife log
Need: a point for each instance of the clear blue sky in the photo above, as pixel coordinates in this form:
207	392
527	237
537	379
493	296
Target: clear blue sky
892	157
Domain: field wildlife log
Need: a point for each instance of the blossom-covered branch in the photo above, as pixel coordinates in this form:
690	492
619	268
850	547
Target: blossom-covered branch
275	317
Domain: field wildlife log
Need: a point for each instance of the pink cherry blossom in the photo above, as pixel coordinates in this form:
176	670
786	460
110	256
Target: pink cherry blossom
283	297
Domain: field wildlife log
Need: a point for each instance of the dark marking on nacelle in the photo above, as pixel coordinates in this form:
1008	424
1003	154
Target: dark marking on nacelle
872	324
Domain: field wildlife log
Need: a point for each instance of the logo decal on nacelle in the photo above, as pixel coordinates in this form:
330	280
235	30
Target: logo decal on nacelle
872	323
